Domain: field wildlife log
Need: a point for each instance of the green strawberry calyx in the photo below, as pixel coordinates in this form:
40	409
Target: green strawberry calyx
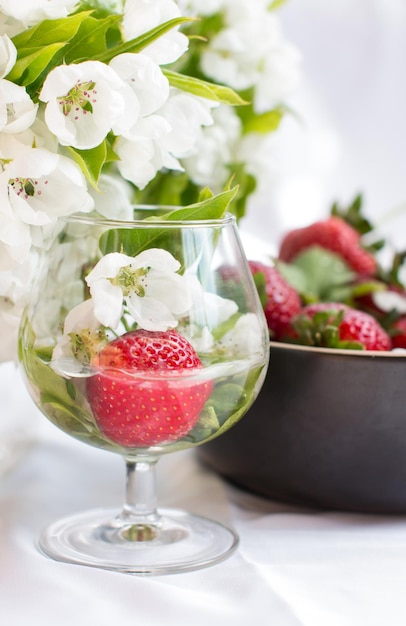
321	330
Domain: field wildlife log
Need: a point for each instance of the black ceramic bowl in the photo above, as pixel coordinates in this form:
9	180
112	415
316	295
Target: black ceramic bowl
328	430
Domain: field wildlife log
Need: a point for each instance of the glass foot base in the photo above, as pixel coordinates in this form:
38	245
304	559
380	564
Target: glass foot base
176	542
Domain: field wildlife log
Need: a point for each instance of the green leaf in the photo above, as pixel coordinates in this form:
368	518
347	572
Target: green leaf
204	89
246	186
350	345
168	187
225	407
295	276
139	43
133	241
48	32
260	284
322	330
353	215
43	47
275	4
62	401
227	398
227	419
324	271
205	194
265	123
226	326
90	40
229	402
65	416
91	161
212	208
208	420
367	287
30	68
392	275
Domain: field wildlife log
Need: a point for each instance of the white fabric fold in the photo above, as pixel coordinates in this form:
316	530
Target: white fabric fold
293	567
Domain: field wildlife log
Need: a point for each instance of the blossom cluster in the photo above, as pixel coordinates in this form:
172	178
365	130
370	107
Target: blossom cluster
104	103
243	45
80	133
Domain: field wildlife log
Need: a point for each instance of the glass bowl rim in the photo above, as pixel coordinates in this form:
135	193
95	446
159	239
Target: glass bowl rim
100	220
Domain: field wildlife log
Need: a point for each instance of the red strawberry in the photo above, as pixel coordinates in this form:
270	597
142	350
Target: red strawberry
398	333
281	301
142	396
335	235
333	324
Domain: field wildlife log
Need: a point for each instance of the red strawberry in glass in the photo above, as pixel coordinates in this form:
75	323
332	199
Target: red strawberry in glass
334	235
281	301
145	393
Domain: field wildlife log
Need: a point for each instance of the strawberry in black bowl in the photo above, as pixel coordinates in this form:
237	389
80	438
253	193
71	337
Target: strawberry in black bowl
328	429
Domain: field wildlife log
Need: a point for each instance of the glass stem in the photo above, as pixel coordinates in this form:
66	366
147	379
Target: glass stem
139	510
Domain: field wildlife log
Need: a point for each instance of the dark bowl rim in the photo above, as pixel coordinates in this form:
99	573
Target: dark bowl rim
375	354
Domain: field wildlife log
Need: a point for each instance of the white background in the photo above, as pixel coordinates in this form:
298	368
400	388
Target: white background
352	107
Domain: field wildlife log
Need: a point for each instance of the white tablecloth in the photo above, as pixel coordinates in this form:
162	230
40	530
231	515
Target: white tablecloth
294	567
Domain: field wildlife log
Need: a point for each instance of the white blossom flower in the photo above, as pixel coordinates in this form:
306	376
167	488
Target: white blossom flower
14	296
147	284
388	300
145	78
8	55
63	285
38	186
17	110
113	199
144	155
161	139
12	145
260	157
280	76
9	26
15	240
30	12
200	7
245	338
186	115
10	318
141	16
229	59
13	282
85	101
216	150
270	65
212	310
201	339
209	309
80	336
43	136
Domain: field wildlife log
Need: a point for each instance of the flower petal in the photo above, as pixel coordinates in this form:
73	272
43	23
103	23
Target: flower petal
107	303
150	314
